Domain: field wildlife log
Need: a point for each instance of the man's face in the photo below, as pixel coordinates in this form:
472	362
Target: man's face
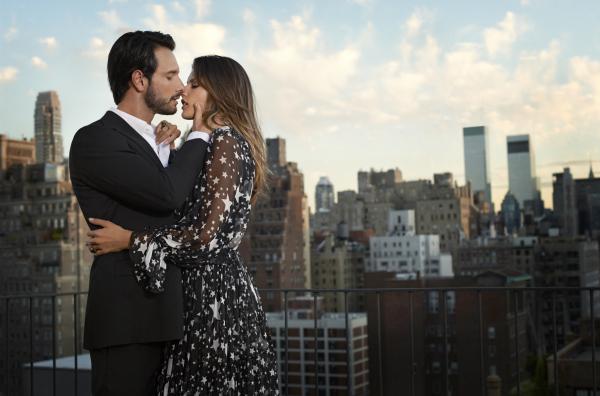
165	87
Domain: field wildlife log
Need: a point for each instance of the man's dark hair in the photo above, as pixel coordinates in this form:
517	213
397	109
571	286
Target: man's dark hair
134	51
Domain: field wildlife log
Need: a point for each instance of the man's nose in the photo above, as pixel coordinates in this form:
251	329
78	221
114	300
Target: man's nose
179	85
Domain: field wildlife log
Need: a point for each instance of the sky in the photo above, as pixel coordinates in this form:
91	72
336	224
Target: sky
350	84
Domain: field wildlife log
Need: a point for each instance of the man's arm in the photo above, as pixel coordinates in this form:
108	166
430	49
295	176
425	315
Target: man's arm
125	175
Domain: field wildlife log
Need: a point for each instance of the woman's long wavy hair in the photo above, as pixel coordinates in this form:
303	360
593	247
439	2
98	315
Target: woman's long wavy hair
231	102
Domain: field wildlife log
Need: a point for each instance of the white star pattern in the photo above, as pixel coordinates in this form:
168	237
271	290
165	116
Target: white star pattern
224	349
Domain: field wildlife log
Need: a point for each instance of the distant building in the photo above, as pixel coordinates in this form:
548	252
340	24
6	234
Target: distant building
42	250
408	353
588	204
522	180
13	152
403	251
324	195
276	247
48	128
477	162
511	214
378	179
334	350
575	364
339	263
448	212
564	198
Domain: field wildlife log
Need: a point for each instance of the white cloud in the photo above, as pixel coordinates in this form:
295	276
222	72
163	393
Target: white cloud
38	63
298	78
202	8
248	16
8	73
362	2
500	38
49	42
177	6
97	49
113	21
10	33
193	39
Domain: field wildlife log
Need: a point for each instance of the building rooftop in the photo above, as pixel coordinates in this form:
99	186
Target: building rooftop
68	362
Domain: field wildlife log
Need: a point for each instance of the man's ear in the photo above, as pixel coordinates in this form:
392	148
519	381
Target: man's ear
139	81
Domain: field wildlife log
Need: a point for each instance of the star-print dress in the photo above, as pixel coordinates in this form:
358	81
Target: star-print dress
225	349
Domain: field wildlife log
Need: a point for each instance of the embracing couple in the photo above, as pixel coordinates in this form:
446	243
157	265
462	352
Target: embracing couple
172	309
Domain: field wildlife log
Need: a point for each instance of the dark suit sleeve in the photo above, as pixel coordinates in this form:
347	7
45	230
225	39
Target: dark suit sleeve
128	177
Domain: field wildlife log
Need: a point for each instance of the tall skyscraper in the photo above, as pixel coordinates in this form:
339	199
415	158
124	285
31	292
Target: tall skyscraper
477	161
564	198
48	136
276	246
324	195
522	182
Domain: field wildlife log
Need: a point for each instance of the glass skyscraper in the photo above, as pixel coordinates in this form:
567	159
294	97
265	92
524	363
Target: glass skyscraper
477	165
522	180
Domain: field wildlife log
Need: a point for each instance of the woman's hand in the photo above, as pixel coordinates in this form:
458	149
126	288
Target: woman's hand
167	133
108	239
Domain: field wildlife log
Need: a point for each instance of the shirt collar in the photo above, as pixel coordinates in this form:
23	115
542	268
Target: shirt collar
138	124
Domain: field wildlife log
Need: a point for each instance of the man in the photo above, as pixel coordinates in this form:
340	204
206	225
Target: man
120	173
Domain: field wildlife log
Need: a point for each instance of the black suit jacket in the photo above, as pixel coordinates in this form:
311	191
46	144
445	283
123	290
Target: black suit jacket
117	176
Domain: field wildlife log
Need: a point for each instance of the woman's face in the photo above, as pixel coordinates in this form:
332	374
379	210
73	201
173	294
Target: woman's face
193	93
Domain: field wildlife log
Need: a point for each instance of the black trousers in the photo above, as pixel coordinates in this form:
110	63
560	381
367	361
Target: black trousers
126	370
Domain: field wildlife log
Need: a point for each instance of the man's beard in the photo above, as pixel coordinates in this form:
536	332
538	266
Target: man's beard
159	105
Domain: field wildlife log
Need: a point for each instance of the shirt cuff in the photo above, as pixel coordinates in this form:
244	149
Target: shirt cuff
199	135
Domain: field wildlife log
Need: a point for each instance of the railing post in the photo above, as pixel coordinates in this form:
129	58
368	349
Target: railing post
54	345
31	391
315	296
413	366
555	346
287	357
379	350
516	315
6	328
75	343
481	354
593	332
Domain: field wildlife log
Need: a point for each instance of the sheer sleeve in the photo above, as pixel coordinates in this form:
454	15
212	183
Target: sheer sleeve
208	225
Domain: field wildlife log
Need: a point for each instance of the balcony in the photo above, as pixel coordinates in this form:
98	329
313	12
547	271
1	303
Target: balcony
409	341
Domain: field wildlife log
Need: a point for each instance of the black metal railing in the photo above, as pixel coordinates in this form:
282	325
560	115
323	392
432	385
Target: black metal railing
23	306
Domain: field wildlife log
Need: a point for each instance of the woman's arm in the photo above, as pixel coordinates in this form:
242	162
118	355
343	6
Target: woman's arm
200	235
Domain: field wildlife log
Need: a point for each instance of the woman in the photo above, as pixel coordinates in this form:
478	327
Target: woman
225	349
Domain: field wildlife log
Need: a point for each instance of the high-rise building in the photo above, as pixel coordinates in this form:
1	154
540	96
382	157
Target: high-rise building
338	263
48	135
510	214
565	202
276	247
408	352
403	251
276	155
477	161
522	180
42	250
342	356
16	152
324	195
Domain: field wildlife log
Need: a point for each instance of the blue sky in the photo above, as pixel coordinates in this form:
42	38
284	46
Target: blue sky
351	84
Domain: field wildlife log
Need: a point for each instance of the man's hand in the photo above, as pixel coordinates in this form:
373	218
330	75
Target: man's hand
167	133
108	239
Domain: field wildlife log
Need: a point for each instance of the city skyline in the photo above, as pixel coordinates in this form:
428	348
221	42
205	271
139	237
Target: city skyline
388	85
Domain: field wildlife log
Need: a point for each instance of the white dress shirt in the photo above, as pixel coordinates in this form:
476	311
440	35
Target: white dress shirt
147	131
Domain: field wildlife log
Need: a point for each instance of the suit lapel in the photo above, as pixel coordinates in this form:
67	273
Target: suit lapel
115	122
